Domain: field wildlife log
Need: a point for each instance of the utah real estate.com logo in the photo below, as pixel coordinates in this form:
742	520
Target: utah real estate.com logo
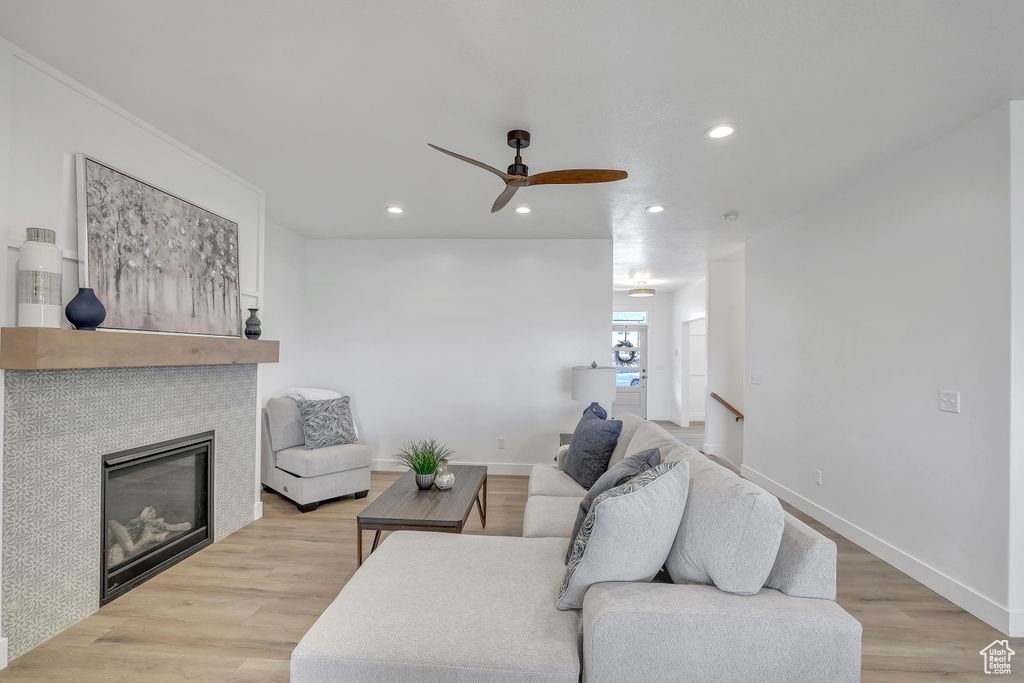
997	657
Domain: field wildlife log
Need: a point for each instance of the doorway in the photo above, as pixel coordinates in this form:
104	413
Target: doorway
629	358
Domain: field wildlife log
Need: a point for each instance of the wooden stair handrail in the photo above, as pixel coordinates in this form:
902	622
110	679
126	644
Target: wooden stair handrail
738	414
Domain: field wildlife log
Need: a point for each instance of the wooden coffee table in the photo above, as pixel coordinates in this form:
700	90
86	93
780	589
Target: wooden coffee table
403	506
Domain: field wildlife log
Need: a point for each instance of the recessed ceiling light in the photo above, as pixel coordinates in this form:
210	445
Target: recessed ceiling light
722	130
394	209
730	216
655	209
522	209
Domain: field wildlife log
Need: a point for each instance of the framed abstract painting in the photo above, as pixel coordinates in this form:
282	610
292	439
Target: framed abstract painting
156	261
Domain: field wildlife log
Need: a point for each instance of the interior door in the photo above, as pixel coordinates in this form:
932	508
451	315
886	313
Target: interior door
629	357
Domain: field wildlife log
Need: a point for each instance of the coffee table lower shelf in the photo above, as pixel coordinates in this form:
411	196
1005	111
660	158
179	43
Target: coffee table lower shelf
403	507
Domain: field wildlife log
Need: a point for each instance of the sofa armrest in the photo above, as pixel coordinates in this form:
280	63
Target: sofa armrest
560	458
644	632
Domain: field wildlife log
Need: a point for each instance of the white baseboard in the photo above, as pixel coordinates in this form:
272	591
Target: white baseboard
985	609
696	417
711	449
662	416
3	653
257	510
515	468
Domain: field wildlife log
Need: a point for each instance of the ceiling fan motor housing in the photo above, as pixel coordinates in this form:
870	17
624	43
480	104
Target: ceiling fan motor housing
518	140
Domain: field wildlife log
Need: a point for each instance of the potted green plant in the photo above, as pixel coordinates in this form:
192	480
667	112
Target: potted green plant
423	458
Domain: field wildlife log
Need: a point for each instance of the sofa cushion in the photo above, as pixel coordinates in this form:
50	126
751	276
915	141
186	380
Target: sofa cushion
549	516
548	480
284	424
650	435
730	532
627	533
806	564
617	475
433	608
630	423
303	463
590	449
327	423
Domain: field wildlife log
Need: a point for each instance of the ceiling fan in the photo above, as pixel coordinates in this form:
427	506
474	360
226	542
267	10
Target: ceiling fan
518	173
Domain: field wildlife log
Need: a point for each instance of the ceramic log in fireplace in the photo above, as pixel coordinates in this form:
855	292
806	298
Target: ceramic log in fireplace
157	510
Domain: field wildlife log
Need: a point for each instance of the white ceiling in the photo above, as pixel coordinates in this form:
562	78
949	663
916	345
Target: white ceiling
328	105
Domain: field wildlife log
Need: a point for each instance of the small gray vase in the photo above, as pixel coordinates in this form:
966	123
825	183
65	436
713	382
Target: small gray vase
425	481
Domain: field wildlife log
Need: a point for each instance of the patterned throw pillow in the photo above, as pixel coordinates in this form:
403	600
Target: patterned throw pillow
617	475
628	532
327	423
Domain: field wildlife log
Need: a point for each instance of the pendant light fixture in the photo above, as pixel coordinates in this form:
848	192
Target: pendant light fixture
641	289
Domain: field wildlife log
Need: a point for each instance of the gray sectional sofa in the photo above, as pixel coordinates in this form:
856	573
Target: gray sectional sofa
440	607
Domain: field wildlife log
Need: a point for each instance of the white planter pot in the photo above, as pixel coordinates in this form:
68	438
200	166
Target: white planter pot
40	267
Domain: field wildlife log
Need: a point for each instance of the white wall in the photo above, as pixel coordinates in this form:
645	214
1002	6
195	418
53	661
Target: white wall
284	311
461	340
687	304
698	369
1016	549
859	311
725	339
52	118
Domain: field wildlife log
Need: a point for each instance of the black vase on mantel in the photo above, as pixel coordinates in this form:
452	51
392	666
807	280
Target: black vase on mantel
85	311
252	325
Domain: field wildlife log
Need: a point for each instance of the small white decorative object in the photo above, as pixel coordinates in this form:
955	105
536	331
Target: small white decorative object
445	478
40	280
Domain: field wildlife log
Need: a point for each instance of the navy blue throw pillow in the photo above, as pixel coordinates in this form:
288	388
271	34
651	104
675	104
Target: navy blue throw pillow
591	449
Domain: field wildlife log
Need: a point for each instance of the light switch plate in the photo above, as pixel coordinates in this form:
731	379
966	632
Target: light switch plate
949	401
755	378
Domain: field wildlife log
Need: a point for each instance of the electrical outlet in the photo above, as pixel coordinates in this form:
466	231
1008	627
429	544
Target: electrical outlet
817	477
755	378
501	442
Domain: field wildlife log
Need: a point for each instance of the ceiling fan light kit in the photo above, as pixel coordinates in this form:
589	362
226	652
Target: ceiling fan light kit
641	290
518	174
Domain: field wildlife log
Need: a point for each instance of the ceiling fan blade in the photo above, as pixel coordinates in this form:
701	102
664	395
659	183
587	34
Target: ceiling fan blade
575	176
504	198
501	174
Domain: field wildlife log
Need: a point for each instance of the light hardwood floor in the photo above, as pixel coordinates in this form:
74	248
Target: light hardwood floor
235	610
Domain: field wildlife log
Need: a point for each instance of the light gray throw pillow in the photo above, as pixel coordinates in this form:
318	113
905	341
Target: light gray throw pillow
617	475
327	423
628	532
730	532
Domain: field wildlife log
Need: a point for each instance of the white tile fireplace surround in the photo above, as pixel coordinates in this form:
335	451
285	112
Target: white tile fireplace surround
58	425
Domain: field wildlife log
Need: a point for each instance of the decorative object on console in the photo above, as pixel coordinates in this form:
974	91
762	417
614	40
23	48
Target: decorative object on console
85	311
159	262
327	423
628	532
617	475
252	325
424	458
445	478
593	384
39	279
591	448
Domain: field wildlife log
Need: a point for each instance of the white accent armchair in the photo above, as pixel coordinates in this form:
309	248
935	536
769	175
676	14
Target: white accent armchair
308	477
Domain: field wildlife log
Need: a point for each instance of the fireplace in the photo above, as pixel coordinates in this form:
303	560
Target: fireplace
157	510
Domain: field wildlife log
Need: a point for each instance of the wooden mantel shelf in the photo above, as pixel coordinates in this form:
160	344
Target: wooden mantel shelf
41	348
